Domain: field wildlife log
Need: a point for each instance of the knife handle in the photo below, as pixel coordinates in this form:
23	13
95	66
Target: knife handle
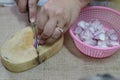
27	9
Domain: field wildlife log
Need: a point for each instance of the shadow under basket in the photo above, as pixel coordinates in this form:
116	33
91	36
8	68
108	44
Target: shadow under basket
109	18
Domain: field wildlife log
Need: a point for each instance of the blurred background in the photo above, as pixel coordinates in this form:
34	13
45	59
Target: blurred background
109	3
6	2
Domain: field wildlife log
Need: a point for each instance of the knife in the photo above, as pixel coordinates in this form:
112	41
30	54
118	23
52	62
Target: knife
34	28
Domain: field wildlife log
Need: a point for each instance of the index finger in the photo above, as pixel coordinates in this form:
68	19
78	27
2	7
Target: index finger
32	10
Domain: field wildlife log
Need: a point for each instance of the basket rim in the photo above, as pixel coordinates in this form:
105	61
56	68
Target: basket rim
93	47
101	7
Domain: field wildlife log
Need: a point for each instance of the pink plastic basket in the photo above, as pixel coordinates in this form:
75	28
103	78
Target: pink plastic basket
109	18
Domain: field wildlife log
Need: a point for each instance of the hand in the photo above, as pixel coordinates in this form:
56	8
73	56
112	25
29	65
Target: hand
56	16
32	5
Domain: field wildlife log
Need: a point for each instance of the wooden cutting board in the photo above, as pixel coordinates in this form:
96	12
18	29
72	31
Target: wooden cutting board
18	53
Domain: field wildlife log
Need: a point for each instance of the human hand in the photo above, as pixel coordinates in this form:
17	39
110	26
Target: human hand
55	17
31	4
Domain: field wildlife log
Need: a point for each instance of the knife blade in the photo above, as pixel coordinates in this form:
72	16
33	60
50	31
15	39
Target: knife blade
34	28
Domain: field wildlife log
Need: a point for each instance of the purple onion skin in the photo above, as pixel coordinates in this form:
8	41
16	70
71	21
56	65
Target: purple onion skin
35	43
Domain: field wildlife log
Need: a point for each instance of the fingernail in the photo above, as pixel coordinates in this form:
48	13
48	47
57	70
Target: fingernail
32	20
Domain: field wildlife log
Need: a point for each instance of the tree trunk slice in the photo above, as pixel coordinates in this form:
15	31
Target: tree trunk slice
18	53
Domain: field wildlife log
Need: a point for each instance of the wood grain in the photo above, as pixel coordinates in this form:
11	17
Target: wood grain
18	53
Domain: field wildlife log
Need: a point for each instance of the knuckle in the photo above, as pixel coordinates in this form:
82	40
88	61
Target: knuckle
32	5
58	12
65	18
22	10
45	8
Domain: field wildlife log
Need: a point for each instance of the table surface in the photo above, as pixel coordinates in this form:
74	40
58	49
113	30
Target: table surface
67	64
